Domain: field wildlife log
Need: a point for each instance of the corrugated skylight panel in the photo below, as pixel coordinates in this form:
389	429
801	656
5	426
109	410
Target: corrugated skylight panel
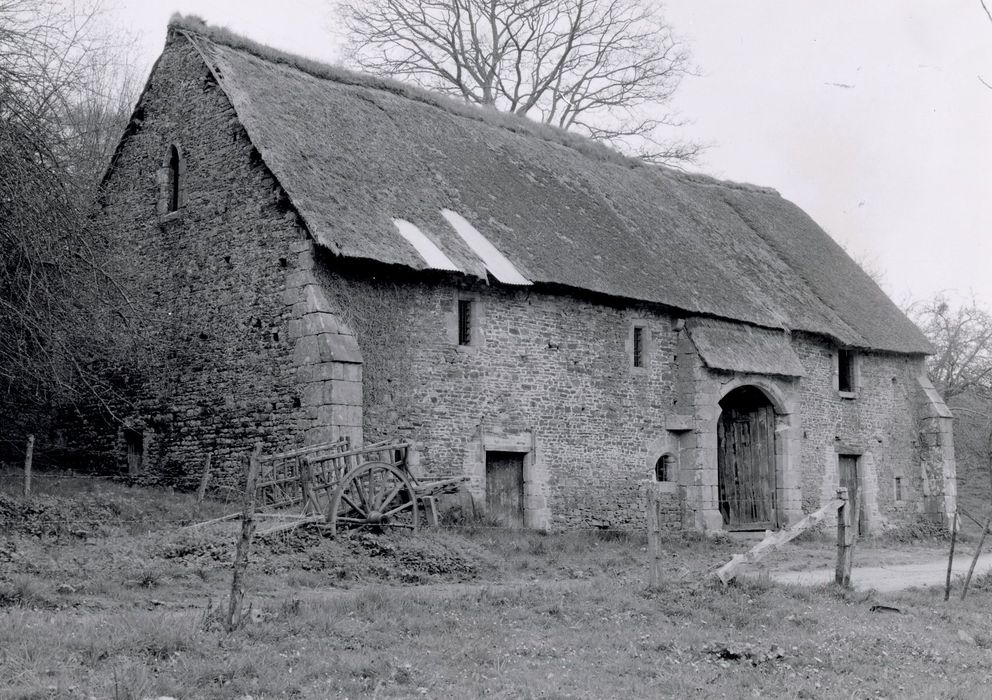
497	263
425	247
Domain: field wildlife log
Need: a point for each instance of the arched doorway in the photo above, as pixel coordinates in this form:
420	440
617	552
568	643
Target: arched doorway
746	447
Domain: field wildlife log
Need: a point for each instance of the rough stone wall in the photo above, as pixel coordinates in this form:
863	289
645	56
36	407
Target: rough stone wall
879	424
550	374
553	371
215	285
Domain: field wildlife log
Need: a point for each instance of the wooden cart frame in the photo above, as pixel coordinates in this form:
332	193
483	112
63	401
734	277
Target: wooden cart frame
371	487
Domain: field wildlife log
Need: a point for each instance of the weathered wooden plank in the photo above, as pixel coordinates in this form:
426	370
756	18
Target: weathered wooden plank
774	540
28	461
846	517
244	542
654	537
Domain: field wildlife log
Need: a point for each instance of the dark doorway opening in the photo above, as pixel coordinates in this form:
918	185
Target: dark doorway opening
746	478
505	487
134	441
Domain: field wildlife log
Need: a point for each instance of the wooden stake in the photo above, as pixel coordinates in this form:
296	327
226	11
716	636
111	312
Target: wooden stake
201	492
950	557
654	537
974	560
846	515
244	542
28	458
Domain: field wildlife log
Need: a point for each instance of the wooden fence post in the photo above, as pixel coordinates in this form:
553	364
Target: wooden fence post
950	557
201	492
28	459
244	542
845	539
654	536
974	561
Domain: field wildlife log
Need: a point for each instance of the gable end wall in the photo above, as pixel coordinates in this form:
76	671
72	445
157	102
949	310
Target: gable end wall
220	288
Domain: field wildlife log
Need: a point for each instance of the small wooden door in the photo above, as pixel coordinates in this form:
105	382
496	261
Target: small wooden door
505	487
851	480
746	466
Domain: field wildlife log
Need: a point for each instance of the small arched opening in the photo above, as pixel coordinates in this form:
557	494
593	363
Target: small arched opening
746	460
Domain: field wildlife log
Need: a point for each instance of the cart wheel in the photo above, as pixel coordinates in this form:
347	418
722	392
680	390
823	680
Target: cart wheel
375	496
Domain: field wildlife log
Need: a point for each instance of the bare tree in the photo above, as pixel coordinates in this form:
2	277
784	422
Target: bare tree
54	291
962	336
598	67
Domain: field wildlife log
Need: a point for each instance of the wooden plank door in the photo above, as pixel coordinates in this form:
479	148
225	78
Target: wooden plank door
851	479
746	468
505	487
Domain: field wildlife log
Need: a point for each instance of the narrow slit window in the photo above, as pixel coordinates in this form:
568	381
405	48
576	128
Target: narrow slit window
464	322
845	370
638	346
898	488
663	468
174	179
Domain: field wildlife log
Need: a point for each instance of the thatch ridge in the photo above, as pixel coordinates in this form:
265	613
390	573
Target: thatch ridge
518	124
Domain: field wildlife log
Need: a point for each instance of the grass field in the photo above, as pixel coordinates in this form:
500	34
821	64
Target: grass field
113	600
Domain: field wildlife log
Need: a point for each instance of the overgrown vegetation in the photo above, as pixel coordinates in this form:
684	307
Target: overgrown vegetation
64	97
136	612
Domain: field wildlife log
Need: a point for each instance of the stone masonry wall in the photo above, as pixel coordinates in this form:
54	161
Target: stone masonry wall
220	286
553	369
878	424
549	376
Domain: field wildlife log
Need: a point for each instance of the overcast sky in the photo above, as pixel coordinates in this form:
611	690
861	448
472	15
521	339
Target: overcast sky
869	115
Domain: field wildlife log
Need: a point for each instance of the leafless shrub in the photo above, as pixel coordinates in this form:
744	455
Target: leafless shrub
56	297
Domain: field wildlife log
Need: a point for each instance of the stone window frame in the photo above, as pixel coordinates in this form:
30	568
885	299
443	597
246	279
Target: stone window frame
167	177
477	338
855	372
647	345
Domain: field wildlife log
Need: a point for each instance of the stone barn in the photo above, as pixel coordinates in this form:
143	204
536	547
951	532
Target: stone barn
318	253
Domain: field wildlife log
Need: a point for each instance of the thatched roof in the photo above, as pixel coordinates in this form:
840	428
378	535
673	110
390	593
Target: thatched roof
357	153
740	348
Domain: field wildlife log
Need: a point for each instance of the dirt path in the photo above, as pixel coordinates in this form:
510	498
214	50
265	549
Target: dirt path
894	577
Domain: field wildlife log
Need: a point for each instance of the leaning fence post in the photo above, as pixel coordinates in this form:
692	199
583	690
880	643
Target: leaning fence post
28	459
978	553
950	557
654	536
201	492
244	542
845	540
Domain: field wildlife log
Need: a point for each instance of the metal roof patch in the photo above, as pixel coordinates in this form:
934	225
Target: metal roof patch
425	247
497	263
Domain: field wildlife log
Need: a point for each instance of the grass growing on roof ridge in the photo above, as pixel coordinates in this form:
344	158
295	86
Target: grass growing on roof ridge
515	123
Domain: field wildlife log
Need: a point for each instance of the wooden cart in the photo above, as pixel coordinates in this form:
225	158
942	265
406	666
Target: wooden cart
370	487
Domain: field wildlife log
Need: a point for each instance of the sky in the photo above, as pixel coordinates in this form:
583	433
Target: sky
868	115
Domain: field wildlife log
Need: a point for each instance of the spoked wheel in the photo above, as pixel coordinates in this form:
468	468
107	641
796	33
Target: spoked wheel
375	496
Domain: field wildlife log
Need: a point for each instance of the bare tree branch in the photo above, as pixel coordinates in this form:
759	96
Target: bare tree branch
605	68
63	105
962	336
